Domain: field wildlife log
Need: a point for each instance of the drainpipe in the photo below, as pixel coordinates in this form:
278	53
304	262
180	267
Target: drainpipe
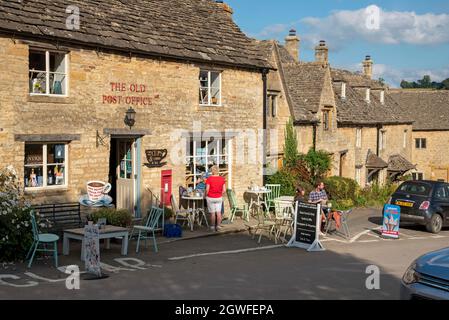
378	140
314	137
265	89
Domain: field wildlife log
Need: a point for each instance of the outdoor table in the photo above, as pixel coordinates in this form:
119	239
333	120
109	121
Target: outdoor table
106	232
260	198
192	200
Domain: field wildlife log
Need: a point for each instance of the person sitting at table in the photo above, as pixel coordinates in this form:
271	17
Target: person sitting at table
319	196
300	194
215	188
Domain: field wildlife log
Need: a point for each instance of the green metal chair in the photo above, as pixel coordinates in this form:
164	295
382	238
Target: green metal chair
44	239
235	207
271	196
150	226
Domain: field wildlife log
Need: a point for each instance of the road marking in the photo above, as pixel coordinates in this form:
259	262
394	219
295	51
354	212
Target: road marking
226	252
353	239
367	241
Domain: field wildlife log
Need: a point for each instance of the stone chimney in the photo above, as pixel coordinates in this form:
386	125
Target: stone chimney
292	44
322	52
368	67
226	7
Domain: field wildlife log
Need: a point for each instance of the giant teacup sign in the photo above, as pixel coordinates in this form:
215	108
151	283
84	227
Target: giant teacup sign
155	158
307	227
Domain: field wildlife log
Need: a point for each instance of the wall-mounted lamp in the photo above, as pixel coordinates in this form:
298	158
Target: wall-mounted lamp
130	118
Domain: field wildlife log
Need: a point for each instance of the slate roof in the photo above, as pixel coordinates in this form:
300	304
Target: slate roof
429	108
197	30
373	161
398	163
355	110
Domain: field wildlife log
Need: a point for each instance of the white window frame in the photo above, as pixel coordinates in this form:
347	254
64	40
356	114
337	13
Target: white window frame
48	72
218	156
358	138
343	90
405	139
45	167
415	175
420	147
209	89
368	95
382	97
358	175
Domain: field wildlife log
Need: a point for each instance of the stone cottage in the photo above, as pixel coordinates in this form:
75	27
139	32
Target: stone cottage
430	109
346	114
143	95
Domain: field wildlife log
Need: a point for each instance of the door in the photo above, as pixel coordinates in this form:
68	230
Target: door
126	174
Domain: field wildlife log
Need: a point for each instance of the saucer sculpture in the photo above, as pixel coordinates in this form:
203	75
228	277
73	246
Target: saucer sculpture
106	201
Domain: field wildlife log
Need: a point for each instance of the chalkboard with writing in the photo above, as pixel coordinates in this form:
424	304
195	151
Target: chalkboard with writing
307	227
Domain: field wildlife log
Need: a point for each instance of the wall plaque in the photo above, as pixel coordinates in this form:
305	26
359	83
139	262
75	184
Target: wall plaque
155	158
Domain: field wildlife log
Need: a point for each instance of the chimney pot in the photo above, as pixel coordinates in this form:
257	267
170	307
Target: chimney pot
322	52
368	67
226	7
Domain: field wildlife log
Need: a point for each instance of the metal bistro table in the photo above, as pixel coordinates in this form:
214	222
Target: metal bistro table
260	198
107	232
196	213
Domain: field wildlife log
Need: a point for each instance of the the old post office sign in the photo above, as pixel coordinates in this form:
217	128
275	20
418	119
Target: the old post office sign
155	158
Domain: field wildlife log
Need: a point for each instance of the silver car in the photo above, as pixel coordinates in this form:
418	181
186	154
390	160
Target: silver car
427	278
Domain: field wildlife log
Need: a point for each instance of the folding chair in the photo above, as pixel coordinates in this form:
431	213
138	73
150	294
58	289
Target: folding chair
344	216
264	224
235	207
271	196
44	239
284	213
183	215
149	227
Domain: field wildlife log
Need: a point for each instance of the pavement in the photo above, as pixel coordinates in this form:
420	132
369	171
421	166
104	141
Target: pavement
231	265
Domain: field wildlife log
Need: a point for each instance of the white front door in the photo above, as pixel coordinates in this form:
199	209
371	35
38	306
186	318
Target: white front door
126	175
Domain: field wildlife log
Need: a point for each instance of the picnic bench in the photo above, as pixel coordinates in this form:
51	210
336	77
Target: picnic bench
62	216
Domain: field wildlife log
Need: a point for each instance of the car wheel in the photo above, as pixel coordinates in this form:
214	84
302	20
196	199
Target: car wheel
435	224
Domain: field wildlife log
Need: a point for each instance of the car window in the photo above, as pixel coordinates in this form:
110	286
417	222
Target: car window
415	188
441	192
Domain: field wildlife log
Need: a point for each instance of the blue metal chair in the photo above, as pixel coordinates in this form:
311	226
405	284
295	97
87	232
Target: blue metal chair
149	227
44	239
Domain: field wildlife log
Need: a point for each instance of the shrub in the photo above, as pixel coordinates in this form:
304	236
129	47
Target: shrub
286	180
343	205
318	163
291	155
16	234
339	188
118	218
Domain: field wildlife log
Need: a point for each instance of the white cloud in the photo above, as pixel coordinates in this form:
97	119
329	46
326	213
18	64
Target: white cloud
388	27
393	76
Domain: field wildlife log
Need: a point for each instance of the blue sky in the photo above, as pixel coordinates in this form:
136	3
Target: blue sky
407	39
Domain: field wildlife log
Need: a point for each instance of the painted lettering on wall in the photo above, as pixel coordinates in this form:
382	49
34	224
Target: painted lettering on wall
124	93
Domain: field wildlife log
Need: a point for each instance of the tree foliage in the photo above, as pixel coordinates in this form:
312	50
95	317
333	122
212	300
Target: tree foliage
291	154
425	83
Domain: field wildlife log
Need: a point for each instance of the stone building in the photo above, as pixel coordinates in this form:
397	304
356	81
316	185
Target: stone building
346	114
430	109
66	88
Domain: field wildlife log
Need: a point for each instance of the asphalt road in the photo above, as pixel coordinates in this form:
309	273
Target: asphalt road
234	266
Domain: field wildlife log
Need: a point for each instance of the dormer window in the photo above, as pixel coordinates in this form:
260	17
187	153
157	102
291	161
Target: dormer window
368	95
343	90
382	97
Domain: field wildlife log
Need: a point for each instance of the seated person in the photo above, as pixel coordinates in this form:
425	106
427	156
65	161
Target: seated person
300	194
319	196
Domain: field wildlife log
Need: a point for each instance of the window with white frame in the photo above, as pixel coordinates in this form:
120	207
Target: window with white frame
272	105
210	88
358	175
383	140
202	154
45	165
382	97
343	90
368	95
421	143
48	72
405	139
417	176
358	137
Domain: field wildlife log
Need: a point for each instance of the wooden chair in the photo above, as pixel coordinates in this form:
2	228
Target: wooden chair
264	224
235	207
44	239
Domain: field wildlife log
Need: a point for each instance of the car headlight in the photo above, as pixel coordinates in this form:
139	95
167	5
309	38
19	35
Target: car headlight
410	276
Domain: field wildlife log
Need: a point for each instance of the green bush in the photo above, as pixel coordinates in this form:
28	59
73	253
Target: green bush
339	188
16	235
118	218
343	205
286	180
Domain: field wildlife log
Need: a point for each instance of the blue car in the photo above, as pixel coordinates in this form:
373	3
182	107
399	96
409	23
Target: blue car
427	278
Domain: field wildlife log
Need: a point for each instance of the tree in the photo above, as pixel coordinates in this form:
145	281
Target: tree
445	84
291	154
382	81
426	82
319	163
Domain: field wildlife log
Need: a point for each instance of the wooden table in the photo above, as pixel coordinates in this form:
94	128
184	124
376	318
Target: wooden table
106	232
